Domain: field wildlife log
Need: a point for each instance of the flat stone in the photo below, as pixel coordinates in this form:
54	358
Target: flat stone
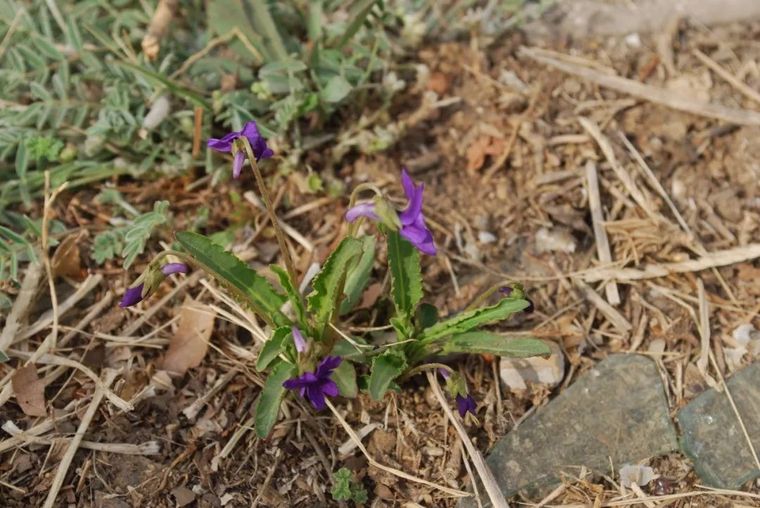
712	436
615	414
517	374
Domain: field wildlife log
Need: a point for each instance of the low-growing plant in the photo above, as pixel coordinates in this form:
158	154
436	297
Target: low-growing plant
308	352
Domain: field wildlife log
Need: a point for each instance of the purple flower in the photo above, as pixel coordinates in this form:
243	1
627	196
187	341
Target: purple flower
362	210
465	404
298	340
227	144
170	268
132	296
317	385
138	293
413	226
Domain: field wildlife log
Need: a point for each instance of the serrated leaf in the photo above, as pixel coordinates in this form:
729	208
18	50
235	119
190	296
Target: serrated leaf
358	275
495	344
328	284
385	369
273	347
268	406
345	377
290	289
406	276
466	321
229	270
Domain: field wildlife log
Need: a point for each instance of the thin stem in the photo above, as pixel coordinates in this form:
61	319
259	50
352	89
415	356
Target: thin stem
264	191
424	367
352	201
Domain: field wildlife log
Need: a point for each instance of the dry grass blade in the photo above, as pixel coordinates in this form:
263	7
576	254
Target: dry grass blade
709	260
704	333
650	93
486	476
600	234
616	318
68	456
730	78
387	469
146	448
21	305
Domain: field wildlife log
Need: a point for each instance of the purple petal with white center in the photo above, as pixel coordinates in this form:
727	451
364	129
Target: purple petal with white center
132	296
171	268
237	164
298	340
362	210
315	386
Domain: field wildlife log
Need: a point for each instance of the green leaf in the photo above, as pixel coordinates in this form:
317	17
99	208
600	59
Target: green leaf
385	368
328	284
293	294
226	16
268	406
358	275
495	344
229	270
427	315
466	321
137	235
273	347
4	358
359	14
170	85
406	276
336	89
345	377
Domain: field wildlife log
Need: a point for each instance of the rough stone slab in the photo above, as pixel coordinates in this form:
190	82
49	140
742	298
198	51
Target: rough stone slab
616	412
712	436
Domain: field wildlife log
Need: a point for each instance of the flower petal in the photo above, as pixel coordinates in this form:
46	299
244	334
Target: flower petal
316	397
224	144
362	210
171	268
237	164
132	296
298	339
329	388
414	208
465	404
327	365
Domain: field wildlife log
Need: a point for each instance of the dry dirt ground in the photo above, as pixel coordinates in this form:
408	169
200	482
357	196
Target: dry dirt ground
506	165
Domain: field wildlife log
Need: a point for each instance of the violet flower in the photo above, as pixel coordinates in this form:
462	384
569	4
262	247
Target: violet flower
413	226
298	340
465	404
315	386
138	293
227	144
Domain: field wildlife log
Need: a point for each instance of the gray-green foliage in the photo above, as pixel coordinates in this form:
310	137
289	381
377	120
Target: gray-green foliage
129	240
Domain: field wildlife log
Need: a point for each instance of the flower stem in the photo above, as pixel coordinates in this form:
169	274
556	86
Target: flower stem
426	366
264	191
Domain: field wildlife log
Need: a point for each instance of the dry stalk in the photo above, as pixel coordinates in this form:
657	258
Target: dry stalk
650	93
68	456
600	234
486	476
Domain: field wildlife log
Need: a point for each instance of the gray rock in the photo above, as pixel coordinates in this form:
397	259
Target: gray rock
616	414
712	436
